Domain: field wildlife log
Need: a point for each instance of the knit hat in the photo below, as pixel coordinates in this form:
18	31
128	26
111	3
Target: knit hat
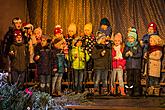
118	36
56	41
132	34
16	20
100	35
152	24
27	26
58	29
72	27
104	21
17	33
88	27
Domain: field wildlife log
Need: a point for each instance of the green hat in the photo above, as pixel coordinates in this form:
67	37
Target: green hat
132	34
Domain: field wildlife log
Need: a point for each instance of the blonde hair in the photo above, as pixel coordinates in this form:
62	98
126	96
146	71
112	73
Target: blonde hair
157	39
88	26
72	27
38	29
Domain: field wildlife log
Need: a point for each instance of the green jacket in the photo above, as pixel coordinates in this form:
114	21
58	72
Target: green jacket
78	58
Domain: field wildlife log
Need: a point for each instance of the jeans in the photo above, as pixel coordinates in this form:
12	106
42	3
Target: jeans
56	82
119	73
153	81
134	79
78	79
18	76
101	75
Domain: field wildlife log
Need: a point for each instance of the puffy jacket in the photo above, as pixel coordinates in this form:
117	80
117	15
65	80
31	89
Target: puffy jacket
78	57
116	63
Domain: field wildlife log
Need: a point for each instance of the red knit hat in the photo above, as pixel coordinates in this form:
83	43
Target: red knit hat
152	24
17	33
58	29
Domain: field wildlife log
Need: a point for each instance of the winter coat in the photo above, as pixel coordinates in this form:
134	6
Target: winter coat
58	60
78	57
101	62
89	43
20	58
44	62
133	62
116	63
155	63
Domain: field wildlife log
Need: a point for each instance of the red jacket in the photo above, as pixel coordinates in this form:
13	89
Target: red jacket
116	63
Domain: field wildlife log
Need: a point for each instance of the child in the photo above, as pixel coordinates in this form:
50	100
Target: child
58	61
9	37
89	42
118	63
38	34
79	55
133	53
152	29
154	64
105	27
19	57
42	59
101	54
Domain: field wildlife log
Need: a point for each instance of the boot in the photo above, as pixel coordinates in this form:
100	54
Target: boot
42	87
122	91
104	91
96	91
150	90
112	90
47	89
59	93
156	91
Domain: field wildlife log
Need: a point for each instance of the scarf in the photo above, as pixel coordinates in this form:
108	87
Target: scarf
118	52
131	44
154	48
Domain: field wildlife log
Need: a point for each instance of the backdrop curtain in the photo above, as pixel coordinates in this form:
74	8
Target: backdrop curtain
121	14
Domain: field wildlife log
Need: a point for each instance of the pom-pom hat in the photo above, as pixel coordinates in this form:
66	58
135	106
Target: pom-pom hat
58	29
152	24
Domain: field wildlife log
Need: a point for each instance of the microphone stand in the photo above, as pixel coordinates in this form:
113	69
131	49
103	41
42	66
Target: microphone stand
110	64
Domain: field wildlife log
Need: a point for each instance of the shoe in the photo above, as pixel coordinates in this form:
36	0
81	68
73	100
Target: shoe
122	91
96	91
59	93
112	90
104	91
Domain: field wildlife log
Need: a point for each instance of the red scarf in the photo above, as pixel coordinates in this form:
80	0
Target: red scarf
154	48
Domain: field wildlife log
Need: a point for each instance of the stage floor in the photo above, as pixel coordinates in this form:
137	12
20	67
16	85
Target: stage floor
122	103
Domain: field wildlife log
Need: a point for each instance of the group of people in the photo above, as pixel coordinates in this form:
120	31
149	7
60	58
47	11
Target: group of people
100	57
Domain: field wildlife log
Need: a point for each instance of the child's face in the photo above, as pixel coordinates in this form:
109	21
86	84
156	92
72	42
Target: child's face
150	30
37	34
117	42
18	25
103	41
131	39
104	27
70	32
18	39
58	35
43	42
79	44
87	32
152	42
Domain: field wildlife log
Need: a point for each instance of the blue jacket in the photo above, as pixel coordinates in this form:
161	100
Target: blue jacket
133	62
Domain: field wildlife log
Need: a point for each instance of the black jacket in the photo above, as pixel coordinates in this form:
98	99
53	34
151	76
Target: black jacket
101	62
